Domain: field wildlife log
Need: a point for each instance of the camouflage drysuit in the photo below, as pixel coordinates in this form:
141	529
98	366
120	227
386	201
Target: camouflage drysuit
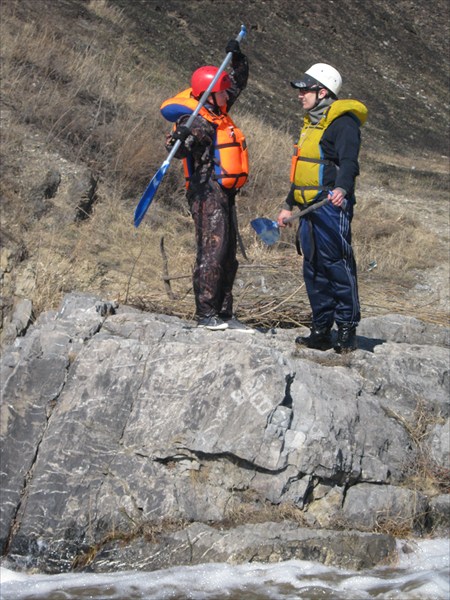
213	210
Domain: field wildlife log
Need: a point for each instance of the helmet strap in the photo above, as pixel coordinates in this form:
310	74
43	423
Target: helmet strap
318	100
217	110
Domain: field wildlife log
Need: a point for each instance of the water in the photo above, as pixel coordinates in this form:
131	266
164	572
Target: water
422	574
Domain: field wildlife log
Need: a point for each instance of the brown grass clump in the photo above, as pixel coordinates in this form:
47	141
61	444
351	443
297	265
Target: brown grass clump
247	509
423	473
396	527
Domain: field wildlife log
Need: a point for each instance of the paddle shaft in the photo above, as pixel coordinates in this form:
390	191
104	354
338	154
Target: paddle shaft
305	211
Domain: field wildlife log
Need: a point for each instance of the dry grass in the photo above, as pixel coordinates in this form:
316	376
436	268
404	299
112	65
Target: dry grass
400	528
423	473
243	513
94	100
104	10
396	241
89	98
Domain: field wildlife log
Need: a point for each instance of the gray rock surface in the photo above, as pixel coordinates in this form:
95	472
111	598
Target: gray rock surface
113	419
18	323
440	514
263	542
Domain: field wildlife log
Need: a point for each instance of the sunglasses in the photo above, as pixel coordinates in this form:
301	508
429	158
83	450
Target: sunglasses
305	90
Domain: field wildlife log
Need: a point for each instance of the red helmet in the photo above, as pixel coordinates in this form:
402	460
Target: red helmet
202	77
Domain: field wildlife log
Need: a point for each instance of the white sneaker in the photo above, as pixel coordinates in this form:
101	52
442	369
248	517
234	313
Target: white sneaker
235	325
212	323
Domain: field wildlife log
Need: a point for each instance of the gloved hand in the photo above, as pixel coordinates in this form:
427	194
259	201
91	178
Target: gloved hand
181	133
233	46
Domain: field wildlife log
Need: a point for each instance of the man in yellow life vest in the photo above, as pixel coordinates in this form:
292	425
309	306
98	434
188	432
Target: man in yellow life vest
325	165
215	161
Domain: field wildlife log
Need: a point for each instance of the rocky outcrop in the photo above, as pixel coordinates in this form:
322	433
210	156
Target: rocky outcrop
262	542
125	432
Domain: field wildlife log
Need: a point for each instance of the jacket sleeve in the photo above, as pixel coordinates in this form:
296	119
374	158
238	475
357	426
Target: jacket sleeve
345	137
239	77
199	140
289	200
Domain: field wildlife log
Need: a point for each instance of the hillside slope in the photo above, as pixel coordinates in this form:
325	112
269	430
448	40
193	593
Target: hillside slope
82	81
394	57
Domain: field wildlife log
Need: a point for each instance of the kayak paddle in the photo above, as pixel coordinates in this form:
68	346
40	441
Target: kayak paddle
269	231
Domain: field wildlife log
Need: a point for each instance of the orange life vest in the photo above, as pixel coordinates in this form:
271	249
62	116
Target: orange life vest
230	154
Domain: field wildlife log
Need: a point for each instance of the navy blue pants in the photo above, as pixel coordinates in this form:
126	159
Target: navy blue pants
329	267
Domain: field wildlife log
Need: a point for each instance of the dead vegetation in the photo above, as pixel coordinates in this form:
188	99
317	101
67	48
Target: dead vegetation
423	473
242	513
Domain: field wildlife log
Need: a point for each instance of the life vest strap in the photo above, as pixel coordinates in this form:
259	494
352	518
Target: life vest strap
227	145
229	177
217	176
318	161
320	188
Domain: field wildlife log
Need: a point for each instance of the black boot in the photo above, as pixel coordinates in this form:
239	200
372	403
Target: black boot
319	338
346	338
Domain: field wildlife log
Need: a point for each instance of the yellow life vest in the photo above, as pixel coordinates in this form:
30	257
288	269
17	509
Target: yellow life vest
230	156
308	164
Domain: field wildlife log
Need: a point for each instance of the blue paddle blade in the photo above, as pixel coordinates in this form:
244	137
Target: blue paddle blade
149	193
267	230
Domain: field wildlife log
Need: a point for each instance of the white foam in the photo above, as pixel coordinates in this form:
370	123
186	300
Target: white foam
8	575
423	572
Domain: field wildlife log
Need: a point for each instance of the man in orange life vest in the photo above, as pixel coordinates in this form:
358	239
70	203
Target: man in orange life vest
325	164
215	161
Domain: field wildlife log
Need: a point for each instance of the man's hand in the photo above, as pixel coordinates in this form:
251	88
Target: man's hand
233	46
337	196
181	133
284	214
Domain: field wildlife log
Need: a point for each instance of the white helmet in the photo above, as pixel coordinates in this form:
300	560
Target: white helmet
323	74
327	76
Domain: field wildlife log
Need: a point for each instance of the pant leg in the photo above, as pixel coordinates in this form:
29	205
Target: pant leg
329	266
231	264
212	229
319	294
